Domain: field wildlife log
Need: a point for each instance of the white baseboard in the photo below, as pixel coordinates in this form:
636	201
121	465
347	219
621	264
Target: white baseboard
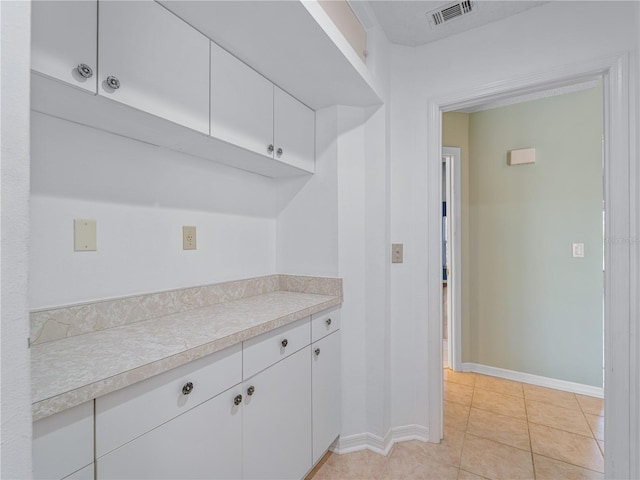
378	444
534	379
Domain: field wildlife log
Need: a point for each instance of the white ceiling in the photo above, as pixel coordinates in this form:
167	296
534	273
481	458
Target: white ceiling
405	21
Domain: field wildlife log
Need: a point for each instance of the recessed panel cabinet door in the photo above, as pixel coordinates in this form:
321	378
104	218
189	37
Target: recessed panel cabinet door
64	37
276	420
203	443
325	387
294	134
151	60
241	103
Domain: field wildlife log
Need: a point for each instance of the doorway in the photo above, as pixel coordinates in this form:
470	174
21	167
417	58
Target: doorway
618	184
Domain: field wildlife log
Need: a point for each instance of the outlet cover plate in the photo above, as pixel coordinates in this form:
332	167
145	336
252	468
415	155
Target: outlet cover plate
84	235
188	238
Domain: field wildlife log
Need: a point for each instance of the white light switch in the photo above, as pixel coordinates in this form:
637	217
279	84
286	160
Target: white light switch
84	235
578	250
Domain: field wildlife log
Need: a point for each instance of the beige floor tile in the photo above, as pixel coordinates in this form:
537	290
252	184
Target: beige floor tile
455	415
499	403
592	405
550	469
401	469
495	460
499	385
500	428
465	378
464	475
324	473
557	417
457	393
596	423
549	395
601	445
447	451
567	447
359	465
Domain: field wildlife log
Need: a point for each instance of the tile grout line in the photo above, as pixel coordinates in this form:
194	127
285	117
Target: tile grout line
526	412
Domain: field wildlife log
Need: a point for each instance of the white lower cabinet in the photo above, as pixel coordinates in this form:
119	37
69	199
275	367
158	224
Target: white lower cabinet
326	390
63	444
276	420
204	442
86	473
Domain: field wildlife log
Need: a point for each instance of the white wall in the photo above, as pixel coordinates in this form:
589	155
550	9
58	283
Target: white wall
547	37
141	196
15	377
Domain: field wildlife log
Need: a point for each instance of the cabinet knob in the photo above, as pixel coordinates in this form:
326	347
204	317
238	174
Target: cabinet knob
317	351
187	388
113	82
251	390
279	152
284	343
328	322
237	400
84	70
270	148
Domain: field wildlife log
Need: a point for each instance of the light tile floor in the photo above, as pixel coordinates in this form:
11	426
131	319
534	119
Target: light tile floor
494	429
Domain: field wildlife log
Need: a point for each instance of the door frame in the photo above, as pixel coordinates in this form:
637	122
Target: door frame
454	238
621	244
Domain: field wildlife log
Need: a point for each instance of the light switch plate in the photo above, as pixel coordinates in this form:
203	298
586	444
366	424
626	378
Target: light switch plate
397	252
578	250
188	238
84	235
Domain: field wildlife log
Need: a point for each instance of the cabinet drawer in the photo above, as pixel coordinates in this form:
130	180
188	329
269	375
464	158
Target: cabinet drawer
265	350
63	443
128	413
324	323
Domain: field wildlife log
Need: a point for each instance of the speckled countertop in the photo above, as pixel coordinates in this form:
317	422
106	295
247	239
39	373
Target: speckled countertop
73	370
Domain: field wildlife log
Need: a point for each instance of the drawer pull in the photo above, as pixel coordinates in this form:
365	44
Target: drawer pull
270	148
284	343
251	390
84	70
317	351
113	82
188	388
328	322
237	400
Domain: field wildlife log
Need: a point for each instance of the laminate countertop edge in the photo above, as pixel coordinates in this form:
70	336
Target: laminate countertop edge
51	400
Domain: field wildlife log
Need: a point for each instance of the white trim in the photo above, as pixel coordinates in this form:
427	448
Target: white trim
621	373
377	444
534	379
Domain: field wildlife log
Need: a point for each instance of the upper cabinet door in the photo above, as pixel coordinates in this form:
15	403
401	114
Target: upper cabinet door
241	103
64	39
294	136
153	61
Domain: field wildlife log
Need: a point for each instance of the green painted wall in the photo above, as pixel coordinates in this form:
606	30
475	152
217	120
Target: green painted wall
532	307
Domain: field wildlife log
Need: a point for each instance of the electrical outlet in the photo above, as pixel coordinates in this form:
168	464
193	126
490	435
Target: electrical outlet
578	250
84	235
397	252
188	238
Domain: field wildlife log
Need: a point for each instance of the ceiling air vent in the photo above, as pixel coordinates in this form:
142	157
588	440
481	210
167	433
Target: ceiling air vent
448	13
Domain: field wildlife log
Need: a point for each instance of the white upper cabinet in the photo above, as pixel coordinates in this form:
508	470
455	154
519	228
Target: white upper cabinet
241	103
151	60
294	133
64	39
250	111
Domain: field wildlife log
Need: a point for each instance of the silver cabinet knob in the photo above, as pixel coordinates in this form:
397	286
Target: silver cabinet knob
84	70
284	343
317	351
270	148
328	322
113	82
279	152
187	388
251	390
237	400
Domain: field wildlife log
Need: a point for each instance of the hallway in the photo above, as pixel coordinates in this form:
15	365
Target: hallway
495	429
